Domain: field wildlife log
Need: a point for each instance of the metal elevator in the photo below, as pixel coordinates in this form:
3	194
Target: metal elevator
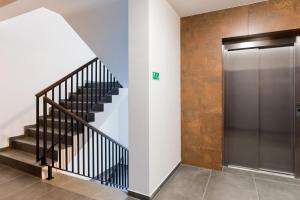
261	104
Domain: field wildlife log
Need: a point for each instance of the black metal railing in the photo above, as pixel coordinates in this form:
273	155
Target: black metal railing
85	151
68	106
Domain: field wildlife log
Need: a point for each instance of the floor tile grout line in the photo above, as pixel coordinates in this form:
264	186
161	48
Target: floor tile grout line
39	197
277	181
255	186
206	186
24	188
9	180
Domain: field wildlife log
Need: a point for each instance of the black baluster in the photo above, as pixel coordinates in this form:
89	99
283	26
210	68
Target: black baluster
114	82
78	147
119	168
44	158
66	128
116	166
102	165
113	164
52	129
100	77
82	77
92	91
37	128
110	84
96	81
103	82
107	75
105	156
72	126
97	154
93	154
87	94
109	164
88	138
59	125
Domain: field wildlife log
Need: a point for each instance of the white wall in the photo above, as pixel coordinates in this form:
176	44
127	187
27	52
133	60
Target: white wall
138	96
37	49
154	106
164	113
114	120
102	24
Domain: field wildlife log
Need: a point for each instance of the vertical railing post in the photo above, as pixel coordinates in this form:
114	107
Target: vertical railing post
44	158
37	128
50	176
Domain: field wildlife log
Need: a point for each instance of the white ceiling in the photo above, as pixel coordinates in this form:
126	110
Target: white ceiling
193	7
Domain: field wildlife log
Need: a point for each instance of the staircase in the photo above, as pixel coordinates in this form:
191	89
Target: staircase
62	137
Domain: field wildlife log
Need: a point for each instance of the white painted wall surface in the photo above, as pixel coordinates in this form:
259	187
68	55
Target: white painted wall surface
154	106
114	120
102	24
37	49
165	111
138	103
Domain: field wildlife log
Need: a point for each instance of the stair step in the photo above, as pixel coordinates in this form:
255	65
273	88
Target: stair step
23	161
89	117
56	122
85	90
99	107
84	97
88	85
31	132
28	144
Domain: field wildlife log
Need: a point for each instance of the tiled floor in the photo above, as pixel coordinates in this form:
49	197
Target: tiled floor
191	183
188	183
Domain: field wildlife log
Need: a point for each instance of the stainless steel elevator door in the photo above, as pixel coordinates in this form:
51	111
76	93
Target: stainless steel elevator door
241	107
276	102
258	105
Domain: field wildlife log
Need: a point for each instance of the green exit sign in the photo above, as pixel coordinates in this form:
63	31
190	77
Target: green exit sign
155	76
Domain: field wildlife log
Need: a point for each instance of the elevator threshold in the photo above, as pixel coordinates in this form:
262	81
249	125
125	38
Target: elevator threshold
264	171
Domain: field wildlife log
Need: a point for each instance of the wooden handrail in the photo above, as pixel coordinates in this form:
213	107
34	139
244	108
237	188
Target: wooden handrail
67	112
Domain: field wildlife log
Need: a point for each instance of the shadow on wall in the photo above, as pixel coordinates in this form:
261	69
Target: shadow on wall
51	56
102	24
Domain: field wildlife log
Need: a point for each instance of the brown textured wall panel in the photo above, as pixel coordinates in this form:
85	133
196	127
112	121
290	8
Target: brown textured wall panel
201	57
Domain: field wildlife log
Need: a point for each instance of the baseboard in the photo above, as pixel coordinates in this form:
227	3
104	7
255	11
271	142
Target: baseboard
138	195
144	197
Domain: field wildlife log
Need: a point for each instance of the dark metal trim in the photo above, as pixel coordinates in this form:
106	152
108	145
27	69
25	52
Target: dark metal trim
265	42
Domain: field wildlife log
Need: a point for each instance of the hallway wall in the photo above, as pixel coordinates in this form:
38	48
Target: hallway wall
201	70
102	24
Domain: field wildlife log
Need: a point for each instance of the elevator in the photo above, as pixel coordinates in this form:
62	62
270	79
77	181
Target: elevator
260	105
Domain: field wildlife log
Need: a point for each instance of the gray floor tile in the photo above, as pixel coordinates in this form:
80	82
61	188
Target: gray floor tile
237	171
225	186
59	194
188	183
7	174
16	185
32	192
276	178
271	190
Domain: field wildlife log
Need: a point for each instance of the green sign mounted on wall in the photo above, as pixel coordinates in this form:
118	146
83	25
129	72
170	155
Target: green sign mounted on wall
155	76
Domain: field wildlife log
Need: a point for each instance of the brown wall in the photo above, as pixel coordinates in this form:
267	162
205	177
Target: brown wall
201	54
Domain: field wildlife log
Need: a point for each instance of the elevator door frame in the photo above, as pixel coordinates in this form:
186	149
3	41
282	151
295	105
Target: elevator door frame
258	45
